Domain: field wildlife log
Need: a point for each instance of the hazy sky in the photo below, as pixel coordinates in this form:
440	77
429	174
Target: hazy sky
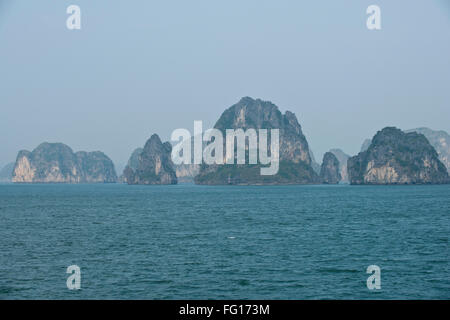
142	67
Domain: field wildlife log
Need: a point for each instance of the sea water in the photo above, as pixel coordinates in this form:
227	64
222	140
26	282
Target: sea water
224	242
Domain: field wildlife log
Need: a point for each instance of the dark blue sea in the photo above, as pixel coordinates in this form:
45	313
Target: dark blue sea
230	242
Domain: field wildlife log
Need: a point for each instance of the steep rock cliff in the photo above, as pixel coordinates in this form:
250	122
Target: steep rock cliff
152	165
440	140
329	171
395	157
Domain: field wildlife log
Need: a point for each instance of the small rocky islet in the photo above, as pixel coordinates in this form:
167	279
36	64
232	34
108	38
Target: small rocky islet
392	156
330	172
151	164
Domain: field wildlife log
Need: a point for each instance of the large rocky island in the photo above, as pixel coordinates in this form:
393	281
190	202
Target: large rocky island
152	164
294	155
440	140
396	157
57	163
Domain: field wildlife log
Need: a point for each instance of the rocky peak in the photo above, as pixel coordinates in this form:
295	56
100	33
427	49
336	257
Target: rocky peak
250	113
153	143
329	171
258	114
154	164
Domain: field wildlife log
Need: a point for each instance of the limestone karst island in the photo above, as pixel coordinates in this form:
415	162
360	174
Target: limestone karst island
392	156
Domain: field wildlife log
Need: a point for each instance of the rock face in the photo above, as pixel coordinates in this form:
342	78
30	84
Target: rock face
440	140
395	157
57	163
295	159
133	162
6	172
152	164
342	158
96	167
330	172
186	173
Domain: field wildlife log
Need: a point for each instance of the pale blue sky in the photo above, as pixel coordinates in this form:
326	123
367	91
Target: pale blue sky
143	67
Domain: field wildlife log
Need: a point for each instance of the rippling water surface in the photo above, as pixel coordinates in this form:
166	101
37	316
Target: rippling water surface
203	242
